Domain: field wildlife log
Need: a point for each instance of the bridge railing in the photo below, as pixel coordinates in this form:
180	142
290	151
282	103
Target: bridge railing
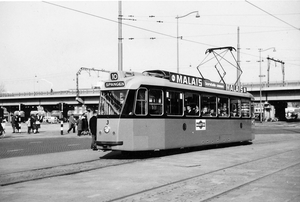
50	93
273	84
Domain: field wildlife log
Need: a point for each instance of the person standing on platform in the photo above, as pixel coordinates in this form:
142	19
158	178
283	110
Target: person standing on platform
93	129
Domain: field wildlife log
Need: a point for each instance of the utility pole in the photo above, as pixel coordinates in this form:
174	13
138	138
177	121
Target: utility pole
120	39
238	72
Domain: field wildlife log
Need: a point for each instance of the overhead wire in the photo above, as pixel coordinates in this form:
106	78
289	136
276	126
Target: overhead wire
273	15
149	30
114	21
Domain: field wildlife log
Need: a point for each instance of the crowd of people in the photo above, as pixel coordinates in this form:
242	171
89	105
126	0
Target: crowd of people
34	123
83	126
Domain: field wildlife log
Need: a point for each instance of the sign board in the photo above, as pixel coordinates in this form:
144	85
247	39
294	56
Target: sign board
114	84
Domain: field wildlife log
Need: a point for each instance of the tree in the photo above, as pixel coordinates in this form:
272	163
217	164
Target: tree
2	88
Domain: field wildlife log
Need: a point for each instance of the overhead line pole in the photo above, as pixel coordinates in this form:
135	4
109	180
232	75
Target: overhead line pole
282	65
238	57
120	39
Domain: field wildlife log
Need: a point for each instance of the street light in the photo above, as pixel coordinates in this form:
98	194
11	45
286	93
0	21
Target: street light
197	16
260	75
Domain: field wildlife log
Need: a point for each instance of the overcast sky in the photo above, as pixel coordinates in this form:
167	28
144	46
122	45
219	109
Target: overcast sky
42	45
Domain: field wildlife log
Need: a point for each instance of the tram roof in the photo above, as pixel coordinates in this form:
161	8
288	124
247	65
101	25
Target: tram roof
162	79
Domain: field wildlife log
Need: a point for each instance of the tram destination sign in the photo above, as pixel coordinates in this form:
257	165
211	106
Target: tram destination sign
114	84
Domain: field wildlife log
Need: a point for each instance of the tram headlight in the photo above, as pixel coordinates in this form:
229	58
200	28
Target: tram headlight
106	129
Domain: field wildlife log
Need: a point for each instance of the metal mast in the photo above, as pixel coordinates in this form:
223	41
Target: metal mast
120	44
238	72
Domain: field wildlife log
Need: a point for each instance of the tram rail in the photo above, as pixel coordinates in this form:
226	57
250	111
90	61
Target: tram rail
179	186
62	170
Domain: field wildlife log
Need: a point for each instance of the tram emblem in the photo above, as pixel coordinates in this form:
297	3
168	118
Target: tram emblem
200	124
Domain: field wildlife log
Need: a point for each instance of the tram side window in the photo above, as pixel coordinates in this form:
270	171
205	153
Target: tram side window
223	110
174	103
208	104
155	102
235	107
141	102
245	108
191	104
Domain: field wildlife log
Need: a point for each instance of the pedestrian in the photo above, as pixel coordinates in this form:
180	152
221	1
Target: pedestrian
93	129
85	124
38	120
72	122
3	123
33	123
17	123
2	131
79	125
13	124
2	126
29	126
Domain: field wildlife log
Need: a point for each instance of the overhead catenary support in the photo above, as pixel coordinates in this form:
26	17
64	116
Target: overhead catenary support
77	79
269	66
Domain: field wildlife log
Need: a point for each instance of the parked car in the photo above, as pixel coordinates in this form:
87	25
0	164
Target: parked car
50	119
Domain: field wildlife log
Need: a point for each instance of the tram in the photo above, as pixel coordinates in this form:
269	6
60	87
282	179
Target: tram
159	110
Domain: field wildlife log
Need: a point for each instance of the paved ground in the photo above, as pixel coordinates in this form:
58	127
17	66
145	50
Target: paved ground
267	170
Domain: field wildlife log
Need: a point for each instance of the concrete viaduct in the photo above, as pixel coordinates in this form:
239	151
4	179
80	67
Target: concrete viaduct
276	94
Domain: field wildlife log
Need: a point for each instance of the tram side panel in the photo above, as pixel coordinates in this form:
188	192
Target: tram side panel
135	134
158	134
197	132
148	134
114	130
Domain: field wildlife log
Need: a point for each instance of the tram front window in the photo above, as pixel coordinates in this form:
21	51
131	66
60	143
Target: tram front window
111	102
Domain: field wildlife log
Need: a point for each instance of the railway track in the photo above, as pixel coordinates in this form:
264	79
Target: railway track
270	165
215	185
56	171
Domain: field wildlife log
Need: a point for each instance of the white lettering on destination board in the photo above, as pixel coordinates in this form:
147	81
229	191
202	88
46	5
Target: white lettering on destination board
114	84
235	88
187	80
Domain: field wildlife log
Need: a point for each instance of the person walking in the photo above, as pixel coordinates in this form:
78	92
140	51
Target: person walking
93	129
72	122
13	124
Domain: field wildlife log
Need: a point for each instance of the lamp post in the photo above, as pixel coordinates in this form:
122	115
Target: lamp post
177	17
260	76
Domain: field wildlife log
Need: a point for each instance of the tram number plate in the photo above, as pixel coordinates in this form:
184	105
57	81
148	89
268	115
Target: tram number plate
200	124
